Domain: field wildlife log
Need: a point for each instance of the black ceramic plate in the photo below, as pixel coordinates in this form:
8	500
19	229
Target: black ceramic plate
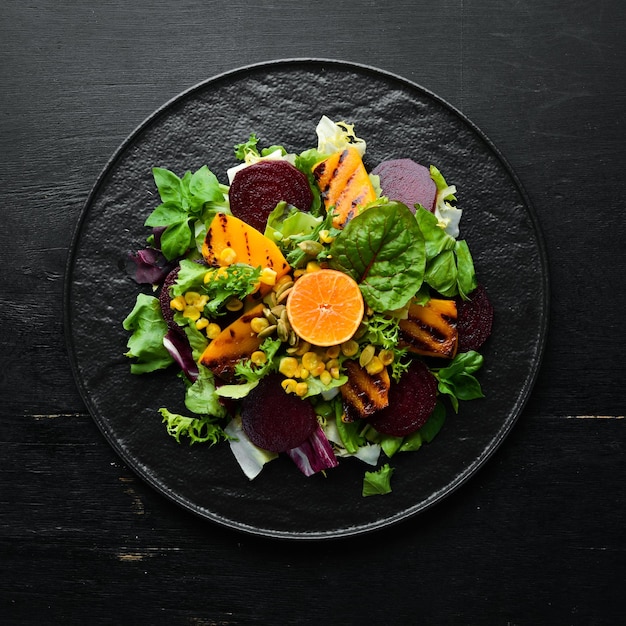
282	102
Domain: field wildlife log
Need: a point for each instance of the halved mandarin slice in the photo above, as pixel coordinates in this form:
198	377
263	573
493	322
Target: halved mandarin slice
325	307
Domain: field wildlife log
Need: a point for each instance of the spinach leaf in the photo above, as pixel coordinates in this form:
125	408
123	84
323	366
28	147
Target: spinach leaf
449	264
457	380
383	250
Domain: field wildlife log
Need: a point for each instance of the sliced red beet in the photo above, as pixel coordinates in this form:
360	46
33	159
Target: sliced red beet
274	420
411	401
164	300
474	320
258	188
408	182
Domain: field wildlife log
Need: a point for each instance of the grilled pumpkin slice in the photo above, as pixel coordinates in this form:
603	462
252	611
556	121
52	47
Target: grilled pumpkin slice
234	344
229	233
431	329
364	393
344	184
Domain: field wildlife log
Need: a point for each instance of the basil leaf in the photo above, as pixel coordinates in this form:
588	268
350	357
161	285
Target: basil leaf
166	214
168	185
176	240
456	380
383	250
204	187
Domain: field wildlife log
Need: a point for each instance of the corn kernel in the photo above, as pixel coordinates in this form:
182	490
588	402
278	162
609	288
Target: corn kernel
335	373
191	297
289	366
258	357
313	266
202	301
375	366
325	236
318	369
267	276
191	312
301	389
258	324
208	276
310	361
325	377
178	303
203	322
289	385
227	256
213	330
304	373
332	363
220	273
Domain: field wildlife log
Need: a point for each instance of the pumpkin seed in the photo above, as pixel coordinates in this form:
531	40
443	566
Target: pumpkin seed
269	316
280	290
267	332
270	299
284	295
367	354
282	330
310	247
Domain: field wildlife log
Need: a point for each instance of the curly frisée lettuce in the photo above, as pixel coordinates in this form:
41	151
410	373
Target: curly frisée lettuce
398	258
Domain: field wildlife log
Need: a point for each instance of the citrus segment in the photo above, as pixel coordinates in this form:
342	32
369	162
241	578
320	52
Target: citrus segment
325	307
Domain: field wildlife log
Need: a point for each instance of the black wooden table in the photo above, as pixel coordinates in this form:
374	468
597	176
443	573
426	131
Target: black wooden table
535	537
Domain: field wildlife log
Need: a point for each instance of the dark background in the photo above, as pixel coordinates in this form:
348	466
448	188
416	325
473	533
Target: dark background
536	537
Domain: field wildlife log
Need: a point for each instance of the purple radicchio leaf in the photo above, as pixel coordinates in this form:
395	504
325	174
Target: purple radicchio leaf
148	266
315	454
180	350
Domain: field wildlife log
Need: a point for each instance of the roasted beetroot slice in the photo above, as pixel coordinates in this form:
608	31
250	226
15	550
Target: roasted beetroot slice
474	320
411	401
408	182
257	189
164	299
274	420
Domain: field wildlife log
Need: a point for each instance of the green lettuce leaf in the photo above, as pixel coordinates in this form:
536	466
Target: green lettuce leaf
148	328
378	482
201	396
196	429
383	250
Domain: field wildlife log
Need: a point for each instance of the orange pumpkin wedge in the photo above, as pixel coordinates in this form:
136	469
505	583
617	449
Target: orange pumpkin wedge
230	240
234	344
344	184
431	329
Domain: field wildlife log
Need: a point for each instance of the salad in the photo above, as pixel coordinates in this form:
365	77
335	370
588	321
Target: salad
311	308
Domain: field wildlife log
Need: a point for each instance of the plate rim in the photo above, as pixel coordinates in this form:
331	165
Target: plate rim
461	478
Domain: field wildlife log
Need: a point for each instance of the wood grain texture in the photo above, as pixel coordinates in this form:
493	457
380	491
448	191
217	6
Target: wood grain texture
536	537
